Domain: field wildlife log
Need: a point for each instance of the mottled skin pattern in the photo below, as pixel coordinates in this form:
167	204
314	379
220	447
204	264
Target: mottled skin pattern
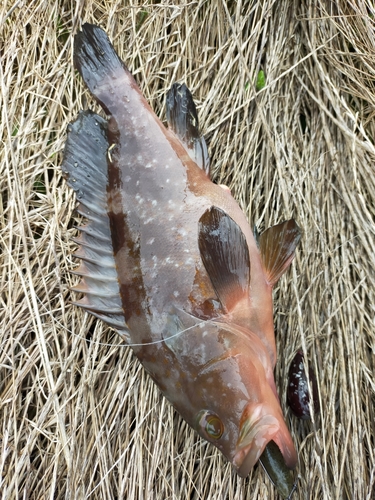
156	196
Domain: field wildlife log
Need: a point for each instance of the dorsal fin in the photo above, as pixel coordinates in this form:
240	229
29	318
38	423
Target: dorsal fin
277	246
183	120
225	255
85	166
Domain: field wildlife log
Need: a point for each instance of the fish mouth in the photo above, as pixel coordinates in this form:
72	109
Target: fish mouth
257	429
254	435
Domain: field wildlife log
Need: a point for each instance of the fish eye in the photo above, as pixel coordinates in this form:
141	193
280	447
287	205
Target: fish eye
210	424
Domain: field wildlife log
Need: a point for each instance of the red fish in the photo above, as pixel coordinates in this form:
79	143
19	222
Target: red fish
170	261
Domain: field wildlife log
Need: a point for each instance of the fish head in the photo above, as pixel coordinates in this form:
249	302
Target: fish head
223	385
236	407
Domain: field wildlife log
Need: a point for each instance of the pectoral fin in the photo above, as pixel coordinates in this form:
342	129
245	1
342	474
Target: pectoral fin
277	246
183	120
225	255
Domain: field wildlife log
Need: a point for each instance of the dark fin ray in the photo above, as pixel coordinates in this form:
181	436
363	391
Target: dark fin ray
95	59
277	246
225	255
183	120
85	167
89	231
256	235
89	270
90	242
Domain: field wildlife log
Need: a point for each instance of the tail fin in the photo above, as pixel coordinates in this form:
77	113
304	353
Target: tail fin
96	60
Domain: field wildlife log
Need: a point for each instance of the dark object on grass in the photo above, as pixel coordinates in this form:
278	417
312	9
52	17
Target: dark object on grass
298	394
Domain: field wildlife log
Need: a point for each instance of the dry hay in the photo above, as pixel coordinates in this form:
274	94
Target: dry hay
79	418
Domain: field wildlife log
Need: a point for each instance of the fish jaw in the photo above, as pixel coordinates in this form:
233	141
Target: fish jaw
257	428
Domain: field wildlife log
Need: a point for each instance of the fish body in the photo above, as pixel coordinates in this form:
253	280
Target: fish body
169	259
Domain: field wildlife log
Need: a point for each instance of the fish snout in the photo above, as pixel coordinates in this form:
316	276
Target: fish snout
257	428
255	431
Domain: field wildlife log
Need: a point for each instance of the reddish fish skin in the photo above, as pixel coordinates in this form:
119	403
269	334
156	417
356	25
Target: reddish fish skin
213	362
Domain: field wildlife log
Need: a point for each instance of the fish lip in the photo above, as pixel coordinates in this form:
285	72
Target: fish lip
255	433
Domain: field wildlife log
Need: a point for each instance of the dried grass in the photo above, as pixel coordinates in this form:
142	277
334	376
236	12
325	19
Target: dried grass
79	418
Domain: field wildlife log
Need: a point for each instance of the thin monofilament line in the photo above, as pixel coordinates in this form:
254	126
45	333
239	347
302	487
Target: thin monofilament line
126	344
171	337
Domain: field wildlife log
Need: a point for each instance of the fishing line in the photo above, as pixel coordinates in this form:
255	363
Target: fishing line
168	338
125	343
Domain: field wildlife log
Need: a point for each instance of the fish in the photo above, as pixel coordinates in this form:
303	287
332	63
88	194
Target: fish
169	260
298	392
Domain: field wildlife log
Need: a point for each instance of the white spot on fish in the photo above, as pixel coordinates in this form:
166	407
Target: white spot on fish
154	203
150	241
182	232
176	293
148	165
167	181
150	219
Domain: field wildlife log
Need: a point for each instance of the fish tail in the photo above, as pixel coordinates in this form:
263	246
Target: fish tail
97	62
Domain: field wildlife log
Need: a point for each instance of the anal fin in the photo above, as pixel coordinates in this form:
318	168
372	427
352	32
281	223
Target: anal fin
183	120
85	167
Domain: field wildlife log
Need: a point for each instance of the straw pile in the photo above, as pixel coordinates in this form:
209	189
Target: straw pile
79	418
